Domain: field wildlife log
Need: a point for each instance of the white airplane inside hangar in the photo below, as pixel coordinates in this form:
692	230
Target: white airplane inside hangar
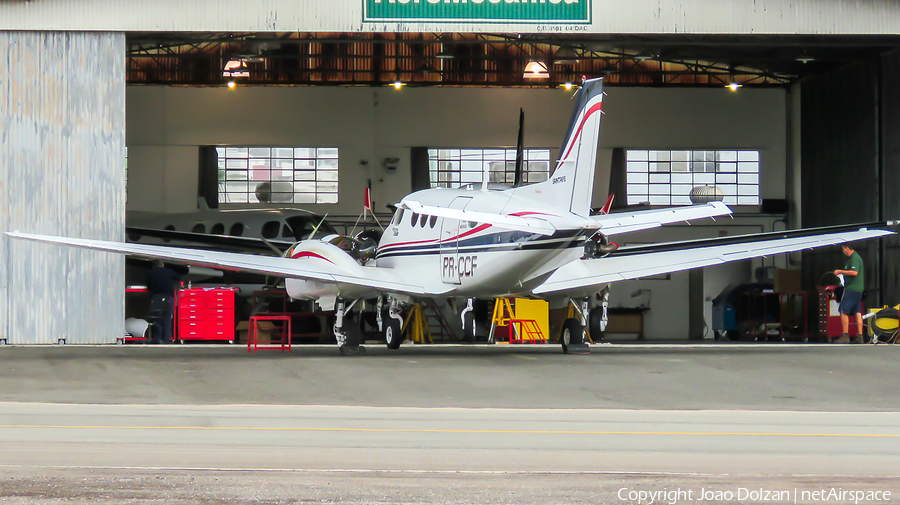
368	94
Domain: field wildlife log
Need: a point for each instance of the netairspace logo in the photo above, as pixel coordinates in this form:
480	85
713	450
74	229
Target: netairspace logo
675	496
529	11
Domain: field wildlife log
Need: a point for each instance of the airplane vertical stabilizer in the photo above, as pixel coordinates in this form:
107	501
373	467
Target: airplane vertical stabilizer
573	178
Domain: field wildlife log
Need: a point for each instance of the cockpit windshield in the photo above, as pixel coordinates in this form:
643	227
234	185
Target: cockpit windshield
303	226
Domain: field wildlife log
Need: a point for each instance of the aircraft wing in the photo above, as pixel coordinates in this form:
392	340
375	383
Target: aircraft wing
527	224
624	222
643	262
375	278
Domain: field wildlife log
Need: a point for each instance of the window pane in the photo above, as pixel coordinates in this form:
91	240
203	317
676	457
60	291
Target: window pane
636	155
748	179
701	179
659	178
681	189
748	167
681	166
638	166
727	155
748	155
637	178
726	178
727	167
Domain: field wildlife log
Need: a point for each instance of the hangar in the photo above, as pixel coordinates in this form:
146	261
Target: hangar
83	81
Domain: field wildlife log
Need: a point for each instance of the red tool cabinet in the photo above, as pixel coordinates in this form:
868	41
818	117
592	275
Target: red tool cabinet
205	314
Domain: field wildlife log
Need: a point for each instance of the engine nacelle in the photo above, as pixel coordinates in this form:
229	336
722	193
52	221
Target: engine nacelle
334	253
599	246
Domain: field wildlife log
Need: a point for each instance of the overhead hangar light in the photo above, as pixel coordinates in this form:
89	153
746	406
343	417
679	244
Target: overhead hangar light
536	70
236	68
566	56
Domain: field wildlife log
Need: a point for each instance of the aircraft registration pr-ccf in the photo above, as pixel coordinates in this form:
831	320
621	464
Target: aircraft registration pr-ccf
535	240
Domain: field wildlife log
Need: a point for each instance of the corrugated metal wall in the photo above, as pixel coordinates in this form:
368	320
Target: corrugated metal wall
62	171
607	16
851	166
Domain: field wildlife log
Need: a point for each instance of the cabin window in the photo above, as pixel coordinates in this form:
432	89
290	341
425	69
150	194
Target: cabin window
423	220
270	229
199	228
452	168
413	219
237	230
287	232
398	217
433	221
217	229
667	177
258	174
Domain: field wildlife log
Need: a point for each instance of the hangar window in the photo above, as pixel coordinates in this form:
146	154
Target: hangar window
666	177
252	175
452	168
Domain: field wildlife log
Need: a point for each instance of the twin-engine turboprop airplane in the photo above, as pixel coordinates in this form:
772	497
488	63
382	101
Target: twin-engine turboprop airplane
537	240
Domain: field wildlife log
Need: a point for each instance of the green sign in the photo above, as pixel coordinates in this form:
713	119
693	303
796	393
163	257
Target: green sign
489	11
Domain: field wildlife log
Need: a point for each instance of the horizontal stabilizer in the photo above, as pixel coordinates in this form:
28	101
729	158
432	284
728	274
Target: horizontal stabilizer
527	224
624	222
581	274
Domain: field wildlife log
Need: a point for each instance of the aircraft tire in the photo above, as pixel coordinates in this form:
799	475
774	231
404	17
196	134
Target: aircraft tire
392	331
469	327
572	334
595	321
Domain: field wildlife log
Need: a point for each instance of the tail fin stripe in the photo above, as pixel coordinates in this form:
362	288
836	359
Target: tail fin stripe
590	112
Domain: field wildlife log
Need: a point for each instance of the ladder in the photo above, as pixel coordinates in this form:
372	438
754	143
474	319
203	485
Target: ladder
525	330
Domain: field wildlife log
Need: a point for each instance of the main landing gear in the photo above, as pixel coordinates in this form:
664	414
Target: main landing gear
348	336
390	323
573	337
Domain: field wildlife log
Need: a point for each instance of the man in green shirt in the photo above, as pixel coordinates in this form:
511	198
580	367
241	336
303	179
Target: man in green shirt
855	284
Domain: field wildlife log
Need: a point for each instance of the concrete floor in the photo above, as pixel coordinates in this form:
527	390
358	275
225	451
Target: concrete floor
212	424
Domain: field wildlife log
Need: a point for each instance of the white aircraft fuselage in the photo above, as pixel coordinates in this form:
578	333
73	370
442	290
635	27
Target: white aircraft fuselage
460	258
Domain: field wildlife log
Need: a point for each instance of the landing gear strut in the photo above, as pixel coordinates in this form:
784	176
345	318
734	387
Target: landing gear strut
349	342
468	321
392	325
572	337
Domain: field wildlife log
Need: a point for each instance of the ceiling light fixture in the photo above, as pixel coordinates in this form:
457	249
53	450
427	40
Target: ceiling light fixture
536	70
397	84
230	84
236	68
734	86
566	56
